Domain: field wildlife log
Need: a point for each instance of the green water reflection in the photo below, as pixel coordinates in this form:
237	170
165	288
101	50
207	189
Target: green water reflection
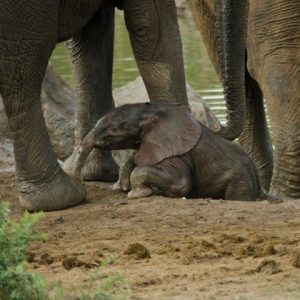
199	71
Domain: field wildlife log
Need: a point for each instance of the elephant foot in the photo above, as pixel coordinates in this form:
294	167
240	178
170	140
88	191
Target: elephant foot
100	166
121	186
140	192
61	193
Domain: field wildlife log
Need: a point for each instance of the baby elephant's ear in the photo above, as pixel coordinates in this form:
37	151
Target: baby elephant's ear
170	132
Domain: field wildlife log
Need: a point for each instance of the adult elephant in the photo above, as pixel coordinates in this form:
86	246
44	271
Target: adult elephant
29	31
273	73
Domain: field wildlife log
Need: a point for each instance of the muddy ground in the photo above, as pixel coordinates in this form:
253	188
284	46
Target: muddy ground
198	249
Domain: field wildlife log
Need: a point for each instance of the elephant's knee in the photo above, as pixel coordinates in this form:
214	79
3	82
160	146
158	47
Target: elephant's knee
142	21
181	186
138	176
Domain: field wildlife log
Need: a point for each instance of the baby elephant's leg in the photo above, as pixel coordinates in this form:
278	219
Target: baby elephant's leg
167	180
123	183
243	189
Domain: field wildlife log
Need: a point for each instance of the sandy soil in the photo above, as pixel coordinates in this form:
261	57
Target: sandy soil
199	249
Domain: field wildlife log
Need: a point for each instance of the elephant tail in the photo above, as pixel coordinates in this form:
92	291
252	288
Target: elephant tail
269	197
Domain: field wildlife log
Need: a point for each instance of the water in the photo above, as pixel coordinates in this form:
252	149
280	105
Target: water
199	71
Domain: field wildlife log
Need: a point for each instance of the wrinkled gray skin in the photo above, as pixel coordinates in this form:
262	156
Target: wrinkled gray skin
176	155
29	31
273	66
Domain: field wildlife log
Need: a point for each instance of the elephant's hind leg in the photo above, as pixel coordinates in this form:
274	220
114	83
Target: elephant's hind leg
255	138
27	37
92	52
274	61
241	189
165	179
283	99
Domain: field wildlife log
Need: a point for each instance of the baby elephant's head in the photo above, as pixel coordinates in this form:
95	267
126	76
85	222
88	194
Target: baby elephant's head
120	129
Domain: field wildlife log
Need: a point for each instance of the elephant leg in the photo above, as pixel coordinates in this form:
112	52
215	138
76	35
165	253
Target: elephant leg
240	190
283	99
273	60
255	138
123	184
165	179
92	54
27	37
156	43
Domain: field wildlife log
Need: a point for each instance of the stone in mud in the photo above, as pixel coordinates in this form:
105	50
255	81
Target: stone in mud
46	259
138	251
71	262
268	266
269	249
295	258
30	256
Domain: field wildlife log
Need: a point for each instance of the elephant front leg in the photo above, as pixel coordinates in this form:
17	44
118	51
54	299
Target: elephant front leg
123	184
285	120
274	60
161	179
92	54
42	183
25	47
281	90
156	44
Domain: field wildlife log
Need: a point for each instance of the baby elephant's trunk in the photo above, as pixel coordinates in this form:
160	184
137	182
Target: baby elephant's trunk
83	152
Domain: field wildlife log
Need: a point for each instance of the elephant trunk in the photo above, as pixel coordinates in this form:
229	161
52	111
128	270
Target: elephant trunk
84	150
231	31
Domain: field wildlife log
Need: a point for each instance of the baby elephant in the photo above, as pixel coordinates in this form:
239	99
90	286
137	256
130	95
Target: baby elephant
176	155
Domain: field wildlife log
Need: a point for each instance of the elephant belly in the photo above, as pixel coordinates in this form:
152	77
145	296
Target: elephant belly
74	15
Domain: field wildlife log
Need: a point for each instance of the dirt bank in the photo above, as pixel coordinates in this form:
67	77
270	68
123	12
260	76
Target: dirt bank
188	249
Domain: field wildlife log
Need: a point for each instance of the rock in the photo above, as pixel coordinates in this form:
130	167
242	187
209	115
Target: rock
30	256
71	262
269	249
7	159
280	249
268	266
4	129
58	107
135	92
295	258
6	148
138	251
46	259
58	103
